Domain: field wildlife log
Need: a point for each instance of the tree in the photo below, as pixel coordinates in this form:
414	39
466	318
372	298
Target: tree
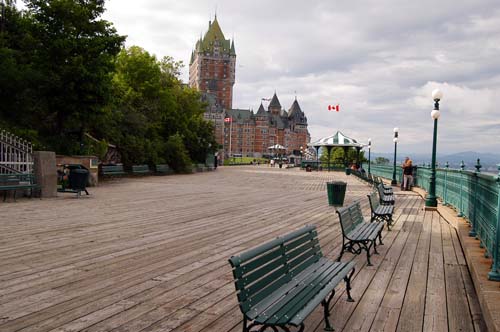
64	55
337	156
150	106
381	161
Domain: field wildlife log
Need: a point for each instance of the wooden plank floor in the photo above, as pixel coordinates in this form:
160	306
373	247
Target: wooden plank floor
150	254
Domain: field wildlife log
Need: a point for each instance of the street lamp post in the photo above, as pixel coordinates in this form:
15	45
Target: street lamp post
394	182
431	200
369	153
301	155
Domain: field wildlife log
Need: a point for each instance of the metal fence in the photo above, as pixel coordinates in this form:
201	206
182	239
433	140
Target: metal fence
16	154
475	196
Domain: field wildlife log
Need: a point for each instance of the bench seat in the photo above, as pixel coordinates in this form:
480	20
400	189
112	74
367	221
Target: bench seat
281	282
357	234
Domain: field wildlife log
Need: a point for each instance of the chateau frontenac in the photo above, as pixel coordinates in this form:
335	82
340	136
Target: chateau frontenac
241	131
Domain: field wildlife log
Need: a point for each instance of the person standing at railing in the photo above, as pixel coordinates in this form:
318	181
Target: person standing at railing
407	174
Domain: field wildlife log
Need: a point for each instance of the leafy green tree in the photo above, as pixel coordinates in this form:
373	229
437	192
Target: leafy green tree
64	54
337	156
381	161
176	154
151	105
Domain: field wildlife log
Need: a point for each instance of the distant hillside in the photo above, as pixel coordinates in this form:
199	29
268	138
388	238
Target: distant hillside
488	160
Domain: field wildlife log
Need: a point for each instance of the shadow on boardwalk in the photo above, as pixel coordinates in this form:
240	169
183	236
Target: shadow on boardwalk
150	254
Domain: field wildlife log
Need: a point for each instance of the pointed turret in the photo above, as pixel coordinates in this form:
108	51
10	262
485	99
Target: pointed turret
275	102
261	111
274	105
233	51
294	109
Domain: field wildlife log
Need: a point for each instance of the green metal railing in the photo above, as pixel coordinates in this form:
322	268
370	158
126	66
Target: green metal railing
475	196
385	171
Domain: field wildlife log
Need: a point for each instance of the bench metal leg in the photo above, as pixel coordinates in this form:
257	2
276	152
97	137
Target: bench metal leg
266	327
380	238
326	304
375	247
367	248
347	280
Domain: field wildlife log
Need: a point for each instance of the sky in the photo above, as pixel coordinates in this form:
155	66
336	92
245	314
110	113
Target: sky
378	59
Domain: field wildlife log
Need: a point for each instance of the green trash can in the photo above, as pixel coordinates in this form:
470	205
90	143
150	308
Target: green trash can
347	171
336	192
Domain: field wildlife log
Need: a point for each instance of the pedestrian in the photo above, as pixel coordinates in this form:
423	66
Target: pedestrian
407	174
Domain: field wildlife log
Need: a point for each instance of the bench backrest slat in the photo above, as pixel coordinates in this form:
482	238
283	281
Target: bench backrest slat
374	200
380	189
350	217
260	271
112	169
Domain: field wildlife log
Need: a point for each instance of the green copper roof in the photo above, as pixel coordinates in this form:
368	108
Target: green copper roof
215	35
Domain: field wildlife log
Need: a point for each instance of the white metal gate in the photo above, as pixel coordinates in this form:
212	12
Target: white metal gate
16	154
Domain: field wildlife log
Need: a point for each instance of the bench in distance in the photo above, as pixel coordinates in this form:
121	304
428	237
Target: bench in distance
385	198
281	282
380	212
112	170
17	181
140	169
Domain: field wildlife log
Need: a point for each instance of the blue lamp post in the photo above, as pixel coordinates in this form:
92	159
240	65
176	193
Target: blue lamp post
369	154
394	182
431	200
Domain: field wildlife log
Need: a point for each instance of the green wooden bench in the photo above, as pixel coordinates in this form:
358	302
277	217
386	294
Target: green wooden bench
18	181
357	234
380	212
140	169
385	197
378	181
281	282
112	170
163	169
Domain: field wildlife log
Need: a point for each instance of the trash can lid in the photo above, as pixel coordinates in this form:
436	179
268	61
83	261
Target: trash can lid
79	170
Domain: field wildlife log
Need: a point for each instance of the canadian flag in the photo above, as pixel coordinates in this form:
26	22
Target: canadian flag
334	108
228	119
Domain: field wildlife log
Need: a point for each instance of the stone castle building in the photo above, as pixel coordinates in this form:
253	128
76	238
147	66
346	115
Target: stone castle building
245	133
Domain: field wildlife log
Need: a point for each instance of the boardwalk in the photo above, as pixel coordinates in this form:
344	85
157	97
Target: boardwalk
150	254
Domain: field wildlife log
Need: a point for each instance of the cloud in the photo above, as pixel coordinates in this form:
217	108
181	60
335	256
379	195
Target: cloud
379	59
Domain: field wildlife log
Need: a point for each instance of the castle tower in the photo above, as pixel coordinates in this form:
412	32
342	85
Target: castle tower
212	65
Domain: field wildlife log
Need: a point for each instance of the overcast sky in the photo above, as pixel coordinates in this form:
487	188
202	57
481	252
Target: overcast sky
378	59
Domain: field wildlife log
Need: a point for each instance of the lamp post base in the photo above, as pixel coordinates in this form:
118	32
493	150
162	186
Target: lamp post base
494	276
394	183
431	202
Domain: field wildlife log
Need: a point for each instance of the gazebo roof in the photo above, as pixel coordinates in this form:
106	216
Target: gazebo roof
276	147
338	139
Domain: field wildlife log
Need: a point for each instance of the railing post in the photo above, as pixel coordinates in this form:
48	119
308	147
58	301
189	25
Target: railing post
445	188
473	232
461	211
494	274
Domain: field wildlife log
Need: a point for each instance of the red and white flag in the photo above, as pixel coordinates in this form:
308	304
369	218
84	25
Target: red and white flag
228	119
334	108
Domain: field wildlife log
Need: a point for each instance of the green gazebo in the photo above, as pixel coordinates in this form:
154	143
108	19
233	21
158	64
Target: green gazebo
337	140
